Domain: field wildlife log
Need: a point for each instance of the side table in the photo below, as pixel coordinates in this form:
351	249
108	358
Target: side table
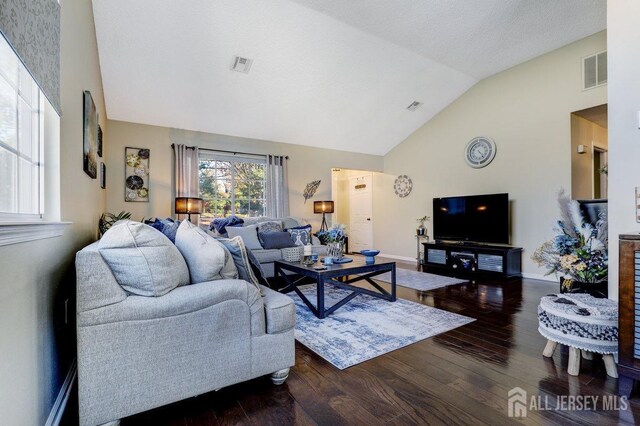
420	248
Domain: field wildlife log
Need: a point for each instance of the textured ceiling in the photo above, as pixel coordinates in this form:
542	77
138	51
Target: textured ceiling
476	37
330	73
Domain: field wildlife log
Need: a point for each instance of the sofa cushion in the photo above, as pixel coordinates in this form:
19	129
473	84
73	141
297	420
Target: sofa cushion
300	235
275	240
280	311
238	252
270	226
291	222
267	255
207	258
142	259
254	220
257	269
249	235
167	226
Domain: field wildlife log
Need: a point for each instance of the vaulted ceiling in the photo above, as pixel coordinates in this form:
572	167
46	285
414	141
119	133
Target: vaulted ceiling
326	73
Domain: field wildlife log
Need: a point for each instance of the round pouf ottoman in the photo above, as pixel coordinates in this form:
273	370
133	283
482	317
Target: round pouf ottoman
583	323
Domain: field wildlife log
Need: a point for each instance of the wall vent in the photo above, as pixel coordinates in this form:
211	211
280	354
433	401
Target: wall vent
241	64
594	70
414	106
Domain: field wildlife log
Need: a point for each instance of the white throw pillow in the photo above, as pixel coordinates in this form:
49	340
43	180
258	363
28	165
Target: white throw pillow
143	260
249	235
207	259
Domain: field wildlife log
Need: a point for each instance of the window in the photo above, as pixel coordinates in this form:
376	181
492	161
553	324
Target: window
231	185
594	70
21	140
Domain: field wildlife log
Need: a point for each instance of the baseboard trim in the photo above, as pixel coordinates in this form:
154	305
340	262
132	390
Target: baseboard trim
55	415
403	258
540	277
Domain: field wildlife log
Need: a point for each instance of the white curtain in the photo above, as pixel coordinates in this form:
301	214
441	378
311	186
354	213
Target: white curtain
276	187
187	183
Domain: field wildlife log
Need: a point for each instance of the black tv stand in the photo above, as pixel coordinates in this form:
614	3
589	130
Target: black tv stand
471	259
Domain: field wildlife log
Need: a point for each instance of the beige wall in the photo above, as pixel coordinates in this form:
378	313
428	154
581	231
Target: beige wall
589	134
624	133
305	165
526	110
35	347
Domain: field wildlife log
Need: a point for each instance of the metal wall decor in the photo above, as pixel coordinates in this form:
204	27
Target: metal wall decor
403	186
136	175
310	190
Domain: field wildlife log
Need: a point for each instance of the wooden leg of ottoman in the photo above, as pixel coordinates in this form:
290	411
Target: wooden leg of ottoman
574	361
610	365
587	354
549	349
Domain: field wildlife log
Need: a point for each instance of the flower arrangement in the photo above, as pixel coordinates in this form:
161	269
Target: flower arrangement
579	249
335	234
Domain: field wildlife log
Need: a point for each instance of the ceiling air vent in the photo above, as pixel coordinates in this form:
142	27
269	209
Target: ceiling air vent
594	70
241	64
414	106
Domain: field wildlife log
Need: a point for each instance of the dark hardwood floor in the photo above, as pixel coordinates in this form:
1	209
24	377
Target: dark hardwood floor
459	377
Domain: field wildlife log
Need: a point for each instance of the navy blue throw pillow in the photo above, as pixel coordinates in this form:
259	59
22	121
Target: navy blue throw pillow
275	240
300	235
257	269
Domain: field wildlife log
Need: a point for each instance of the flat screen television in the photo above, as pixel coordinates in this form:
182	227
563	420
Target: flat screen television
473	218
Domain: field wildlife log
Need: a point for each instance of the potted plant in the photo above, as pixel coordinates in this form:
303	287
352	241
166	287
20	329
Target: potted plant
108	219
578	252
421	230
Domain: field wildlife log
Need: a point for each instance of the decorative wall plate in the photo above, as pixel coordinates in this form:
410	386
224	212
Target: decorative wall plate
403	186
479	152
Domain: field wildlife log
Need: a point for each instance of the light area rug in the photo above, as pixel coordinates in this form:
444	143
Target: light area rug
367	327
417	280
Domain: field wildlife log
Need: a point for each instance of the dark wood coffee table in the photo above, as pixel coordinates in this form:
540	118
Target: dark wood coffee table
339	276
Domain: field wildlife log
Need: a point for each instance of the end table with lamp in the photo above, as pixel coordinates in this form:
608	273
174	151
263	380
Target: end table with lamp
189	205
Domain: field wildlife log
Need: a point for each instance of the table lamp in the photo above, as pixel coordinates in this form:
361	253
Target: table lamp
323	207
188	206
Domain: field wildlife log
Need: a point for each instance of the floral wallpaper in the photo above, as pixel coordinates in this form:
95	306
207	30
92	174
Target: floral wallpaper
32	27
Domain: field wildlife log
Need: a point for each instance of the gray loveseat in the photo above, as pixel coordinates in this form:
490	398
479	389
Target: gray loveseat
268	257
136	353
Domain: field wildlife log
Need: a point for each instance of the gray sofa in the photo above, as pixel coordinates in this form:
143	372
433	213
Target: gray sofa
268	257
136	353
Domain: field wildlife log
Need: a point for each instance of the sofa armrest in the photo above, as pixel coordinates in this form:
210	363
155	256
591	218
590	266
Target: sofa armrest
280	311
180	301
96	286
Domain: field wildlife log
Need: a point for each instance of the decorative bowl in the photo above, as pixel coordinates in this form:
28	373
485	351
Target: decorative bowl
370	255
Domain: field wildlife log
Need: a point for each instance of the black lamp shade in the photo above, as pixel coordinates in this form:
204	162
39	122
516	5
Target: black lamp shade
188	205
322	207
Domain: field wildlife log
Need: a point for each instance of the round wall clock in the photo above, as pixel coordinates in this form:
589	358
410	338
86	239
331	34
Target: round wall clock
480	152
403	186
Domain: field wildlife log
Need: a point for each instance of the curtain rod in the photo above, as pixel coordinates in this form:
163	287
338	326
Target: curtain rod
228	152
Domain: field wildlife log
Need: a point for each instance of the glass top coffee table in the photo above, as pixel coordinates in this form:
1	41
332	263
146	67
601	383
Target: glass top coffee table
341	276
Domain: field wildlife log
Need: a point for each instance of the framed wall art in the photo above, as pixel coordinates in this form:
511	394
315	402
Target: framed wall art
90	136
103	175
136	175
99	141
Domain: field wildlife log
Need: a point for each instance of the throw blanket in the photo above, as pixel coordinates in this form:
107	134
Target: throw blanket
221	224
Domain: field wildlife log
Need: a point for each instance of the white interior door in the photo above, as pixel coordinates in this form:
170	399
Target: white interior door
360	212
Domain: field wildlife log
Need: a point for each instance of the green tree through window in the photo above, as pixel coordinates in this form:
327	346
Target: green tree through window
231	187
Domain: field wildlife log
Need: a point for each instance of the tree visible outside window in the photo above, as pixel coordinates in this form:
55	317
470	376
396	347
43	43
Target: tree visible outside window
231	186
21	123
